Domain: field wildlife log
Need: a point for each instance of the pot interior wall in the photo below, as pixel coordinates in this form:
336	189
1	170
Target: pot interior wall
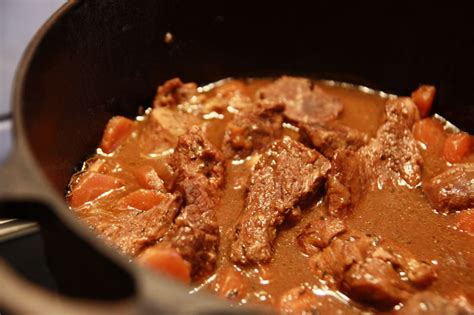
107	57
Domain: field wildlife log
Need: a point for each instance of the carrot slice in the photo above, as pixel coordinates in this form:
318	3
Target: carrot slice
457	146
90	186
118	128
167	261
147	177
428	131
423	98
465	222
143	199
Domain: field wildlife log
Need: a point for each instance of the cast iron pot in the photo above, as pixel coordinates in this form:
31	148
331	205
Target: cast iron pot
96	59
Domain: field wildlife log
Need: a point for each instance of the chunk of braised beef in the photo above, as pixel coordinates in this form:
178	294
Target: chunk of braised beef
252	129
200	175
347	182
230	96
175	122
419	273
428	302
374	281
319	233
390	159
393	158
286	173
305	102
402	110
453	189
164	128
331	262
371	271
330	138
174	92
196	159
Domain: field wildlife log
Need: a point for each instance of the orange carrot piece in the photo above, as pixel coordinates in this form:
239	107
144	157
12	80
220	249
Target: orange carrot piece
118	128
90	186
167	261
457	146
423	98
428	131
143	199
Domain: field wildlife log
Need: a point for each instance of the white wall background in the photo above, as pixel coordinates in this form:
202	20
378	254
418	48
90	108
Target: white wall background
19	20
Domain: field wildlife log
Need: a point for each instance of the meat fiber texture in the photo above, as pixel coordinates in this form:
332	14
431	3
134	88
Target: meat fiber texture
285	174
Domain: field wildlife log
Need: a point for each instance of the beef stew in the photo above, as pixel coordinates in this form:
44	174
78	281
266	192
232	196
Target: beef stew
305	196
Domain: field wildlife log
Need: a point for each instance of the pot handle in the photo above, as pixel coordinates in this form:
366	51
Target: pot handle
20	198
18	179
18	191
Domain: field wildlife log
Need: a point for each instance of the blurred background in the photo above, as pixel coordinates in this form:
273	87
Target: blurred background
19	20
